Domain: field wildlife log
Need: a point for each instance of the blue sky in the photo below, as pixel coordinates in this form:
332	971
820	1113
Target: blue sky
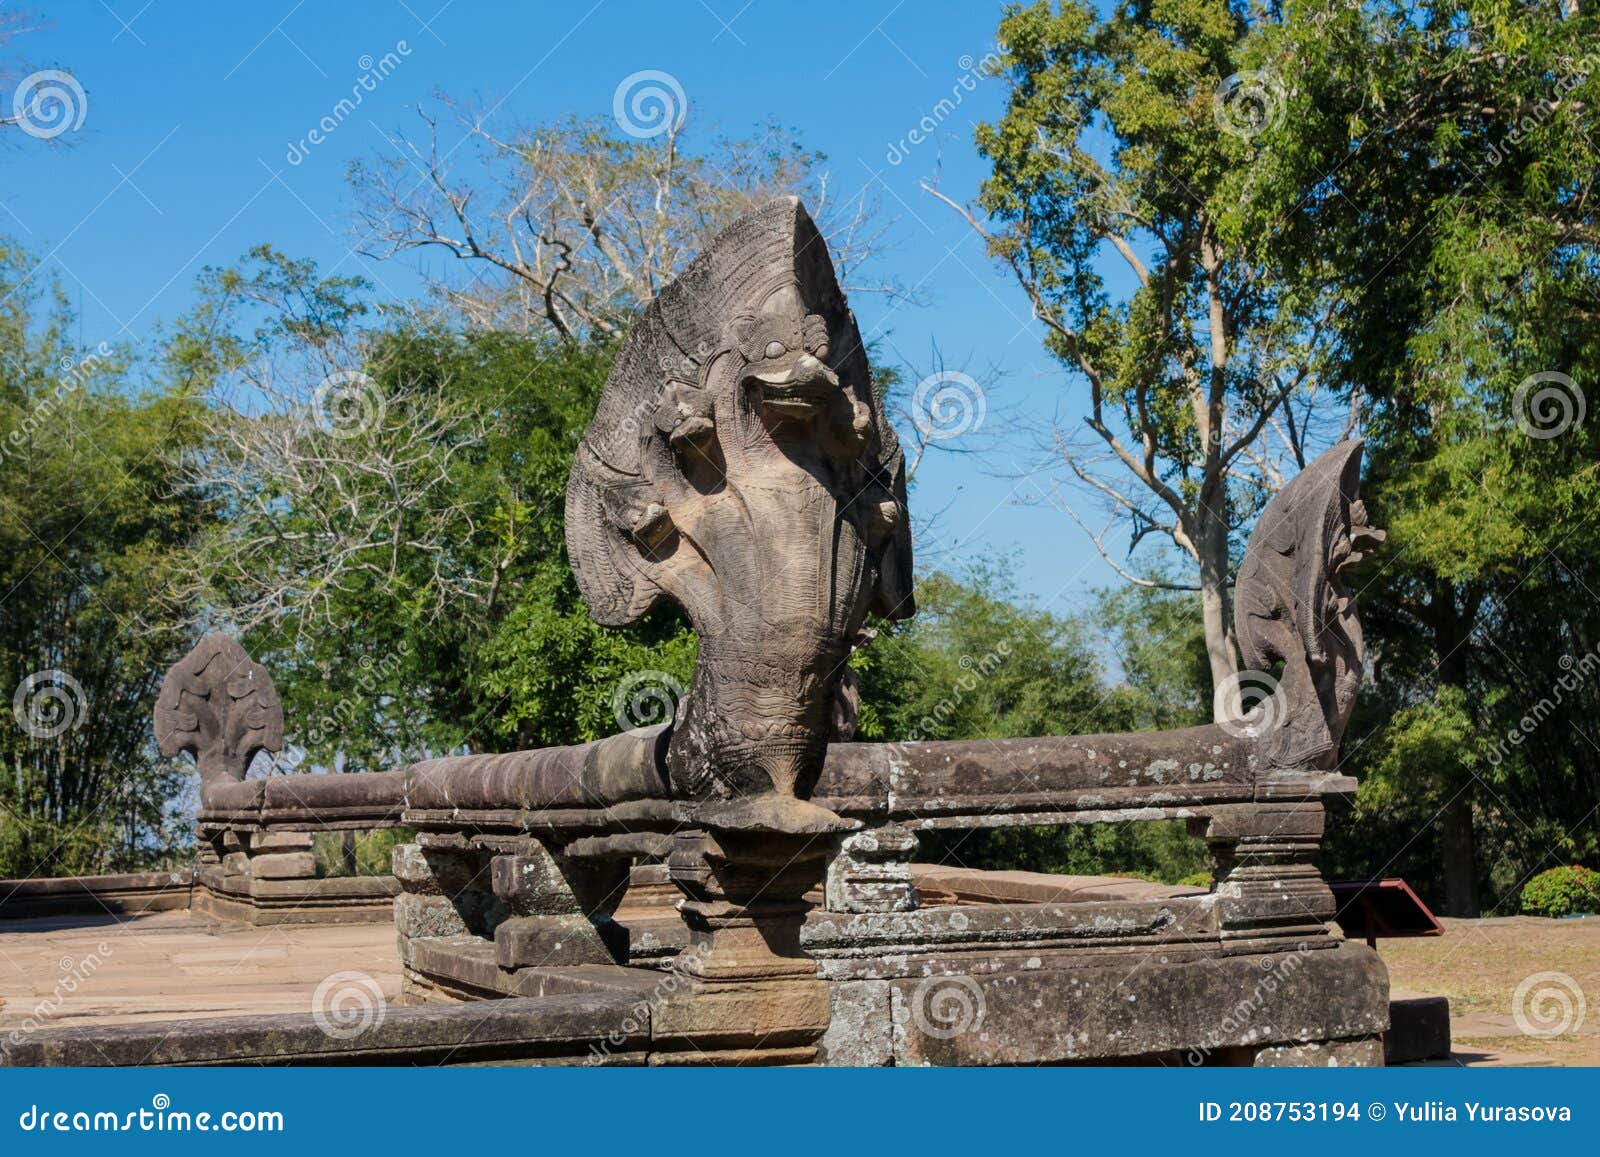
191	110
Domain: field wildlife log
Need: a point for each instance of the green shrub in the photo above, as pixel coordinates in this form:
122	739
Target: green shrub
1197	880
1562	892
372	851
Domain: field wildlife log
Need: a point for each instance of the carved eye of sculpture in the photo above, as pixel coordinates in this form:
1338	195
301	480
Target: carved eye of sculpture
776	349
821	352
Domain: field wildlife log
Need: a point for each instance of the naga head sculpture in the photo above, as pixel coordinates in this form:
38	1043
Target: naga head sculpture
1291	606
220	706
740	465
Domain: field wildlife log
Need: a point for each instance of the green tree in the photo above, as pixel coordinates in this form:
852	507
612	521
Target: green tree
1124	200
394	548
93	531
1440	159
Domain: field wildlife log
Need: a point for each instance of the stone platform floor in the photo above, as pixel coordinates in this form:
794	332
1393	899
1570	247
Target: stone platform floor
82	970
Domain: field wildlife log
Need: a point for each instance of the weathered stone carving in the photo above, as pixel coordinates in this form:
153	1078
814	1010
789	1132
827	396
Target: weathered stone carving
740	465
1292	607
741	468
220	706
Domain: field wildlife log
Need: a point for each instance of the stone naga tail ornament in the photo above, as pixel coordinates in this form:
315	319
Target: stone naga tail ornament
1291	606
219	705
741	466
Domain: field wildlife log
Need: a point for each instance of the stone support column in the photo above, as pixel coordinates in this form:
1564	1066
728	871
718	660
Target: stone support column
281	856
1266	872
559	908
749	993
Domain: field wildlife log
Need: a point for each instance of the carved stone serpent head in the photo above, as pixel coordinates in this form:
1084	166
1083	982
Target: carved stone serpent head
1291	606
740	465
219	704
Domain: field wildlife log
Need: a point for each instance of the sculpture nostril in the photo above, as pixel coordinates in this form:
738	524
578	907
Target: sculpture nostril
810	369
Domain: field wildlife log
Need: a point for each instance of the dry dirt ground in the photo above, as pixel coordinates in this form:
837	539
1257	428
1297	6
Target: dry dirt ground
1480	965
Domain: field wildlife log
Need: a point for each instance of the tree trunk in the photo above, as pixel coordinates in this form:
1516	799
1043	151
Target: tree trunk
1458	852
1216	612
1457	842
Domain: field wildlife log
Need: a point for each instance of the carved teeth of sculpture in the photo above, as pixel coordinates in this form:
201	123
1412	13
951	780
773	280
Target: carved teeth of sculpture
794	387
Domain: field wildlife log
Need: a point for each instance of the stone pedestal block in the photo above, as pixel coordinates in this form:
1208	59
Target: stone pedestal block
1266	870
751	994
871	872
284	866
280	842
560	908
